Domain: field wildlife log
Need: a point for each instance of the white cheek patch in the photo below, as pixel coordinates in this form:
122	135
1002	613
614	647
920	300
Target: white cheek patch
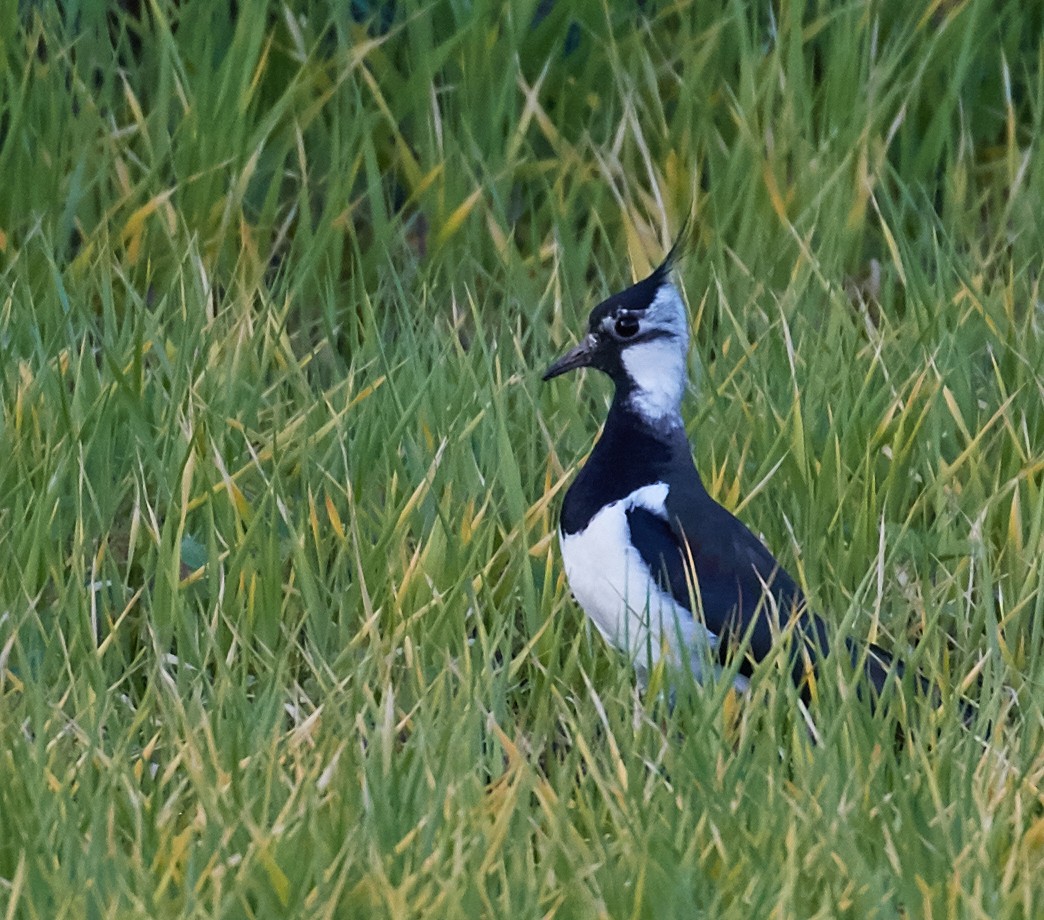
614	586
659	373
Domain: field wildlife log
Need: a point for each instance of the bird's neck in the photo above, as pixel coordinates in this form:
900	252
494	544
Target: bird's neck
631	415
633	451
656	411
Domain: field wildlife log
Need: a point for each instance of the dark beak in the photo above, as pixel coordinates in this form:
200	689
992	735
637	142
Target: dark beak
572	359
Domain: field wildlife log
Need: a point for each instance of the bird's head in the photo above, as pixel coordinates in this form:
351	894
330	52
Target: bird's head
640	338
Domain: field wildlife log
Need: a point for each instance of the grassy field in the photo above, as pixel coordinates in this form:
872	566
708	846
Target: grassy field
283	625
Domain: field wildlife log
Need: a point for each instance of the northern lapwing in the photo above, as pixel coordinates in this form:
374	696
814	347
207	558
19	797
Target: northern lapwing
658	565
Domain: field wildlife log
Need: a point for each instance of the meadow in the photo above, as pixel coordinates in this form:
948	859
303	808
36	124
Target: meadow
283	624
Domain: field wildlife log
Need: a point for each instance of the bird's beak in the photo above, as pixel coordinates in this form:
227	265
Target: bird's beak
572	359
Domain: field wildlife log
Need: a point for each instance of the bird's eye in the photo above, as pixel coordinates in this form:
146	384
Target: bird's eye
626	327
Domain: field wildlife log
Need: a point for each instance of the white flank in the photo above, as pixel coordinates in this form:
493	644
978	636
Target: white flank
613	585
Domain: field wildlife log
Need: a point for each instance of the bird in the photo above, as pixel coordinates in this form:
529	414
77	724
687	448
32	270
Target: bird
660	567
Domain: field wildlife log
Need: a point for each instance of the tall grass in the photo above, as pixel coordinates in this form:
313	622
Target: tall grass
283	629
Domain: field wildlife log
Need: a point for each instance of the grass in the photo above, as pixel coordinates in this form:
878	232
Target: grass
283	628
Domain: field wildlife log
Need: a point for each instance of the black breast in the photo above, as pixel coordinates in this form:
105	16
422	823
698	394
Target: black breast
629	454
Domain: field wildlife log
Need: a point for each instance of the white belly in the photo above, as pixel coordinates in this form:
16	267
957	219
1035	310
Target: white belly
614	586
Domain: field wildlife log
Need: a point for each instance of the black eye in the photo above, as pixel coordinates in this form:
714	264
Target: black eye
626	327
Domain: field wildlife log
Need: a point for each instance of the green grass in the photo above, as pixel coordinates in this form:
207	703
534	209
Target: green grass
283	627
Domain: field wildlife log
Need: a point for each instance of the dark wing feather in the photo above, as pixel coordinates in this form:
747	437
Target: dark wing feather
696	539
734	571
732	568
654	539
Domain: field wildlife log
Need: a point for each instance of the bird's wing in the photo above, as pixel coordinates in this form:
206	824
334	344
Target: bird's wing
701	547
702	544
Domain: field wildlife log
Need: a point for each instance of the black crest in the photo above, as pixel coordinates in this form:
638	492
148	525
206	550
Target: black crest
639	296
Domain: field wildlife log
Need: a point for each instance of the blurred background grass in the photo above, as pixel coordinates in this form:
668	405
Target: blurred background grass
282	625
